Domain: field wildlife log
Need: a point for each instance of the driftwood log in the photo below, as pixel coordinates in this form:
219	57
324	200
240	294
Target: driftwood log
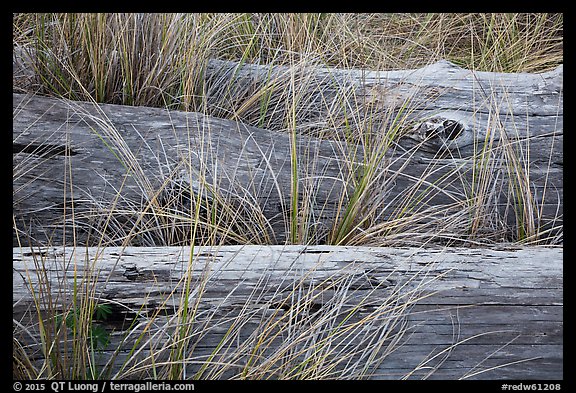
98	157
430	313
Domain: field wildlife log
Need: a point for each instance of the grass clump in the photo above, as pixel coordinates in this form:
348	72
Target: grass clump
303	325
161	60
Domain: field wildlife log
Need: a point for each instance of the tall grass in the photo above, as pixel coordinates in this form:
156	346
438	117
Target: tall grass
276	332
160	60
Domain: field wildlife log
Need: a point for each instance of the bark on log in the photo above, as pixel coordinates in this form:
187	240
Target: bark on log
447	313
136	149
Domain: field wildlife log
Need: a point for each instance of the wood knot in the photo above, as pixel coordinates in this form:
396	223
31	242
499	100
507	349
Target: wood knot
444	131
131	271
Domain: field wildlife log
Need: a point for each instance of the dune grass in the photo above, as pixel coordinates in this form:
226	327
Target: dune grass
159	60
271	334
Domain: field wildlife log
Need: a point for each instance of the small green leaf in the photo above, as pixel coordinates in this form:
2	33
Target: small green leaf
99	337
102	312
70	319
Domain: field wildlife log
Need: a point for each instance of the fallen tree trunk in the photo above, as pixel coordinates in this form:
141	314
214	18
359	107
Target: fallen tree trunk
100	157
447	109
437	87
399	312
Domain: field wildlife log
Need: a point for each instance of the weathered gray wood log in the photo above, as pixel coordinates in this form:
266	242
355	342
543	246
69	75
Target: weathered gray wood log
147	153
140	149
461	109
400	312
438	86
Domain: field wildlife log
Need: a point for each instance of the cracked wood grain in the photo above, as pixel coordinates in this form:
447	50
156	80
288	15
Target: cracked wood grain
498	313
